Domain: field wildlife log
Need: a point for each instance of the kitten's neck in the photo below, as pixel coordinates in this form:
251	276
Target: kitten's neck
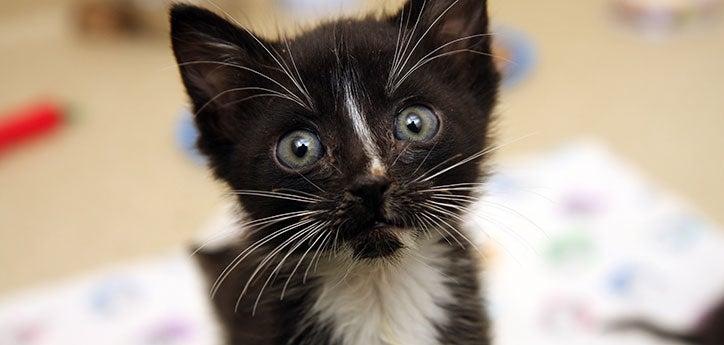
400	302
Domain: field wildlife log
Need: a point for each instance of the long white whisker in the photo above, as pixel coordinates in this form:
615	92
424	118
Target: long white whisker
475	156
303	89
436	166
318	257
426	157
490	220
246	252
228	64
437	225
425	62
263	222
444	212
400	155
515	212
320	235
282	196
399	67
276	95
441	47
412	51
310	195
310	181
268	258
238	89
397	46
310	233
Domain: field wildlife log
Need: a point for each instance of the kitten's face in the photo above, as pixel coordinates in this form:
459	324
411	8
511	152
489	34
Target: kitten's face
348	137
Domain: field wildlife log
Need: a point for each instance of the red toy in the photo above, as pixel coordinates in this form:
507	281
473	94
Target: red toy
29	122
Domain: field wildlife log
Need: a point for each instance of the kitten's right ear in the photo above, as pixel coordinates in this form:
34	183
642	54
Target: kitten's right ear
209	50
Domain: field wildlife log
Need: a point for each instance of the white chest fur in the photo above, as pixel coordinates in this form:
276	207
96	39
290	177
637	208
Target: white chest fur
383	304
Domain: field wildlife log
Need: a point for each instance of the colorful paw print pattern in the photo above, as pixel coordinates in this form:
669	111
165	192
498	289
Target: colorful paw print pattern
603	244
572	240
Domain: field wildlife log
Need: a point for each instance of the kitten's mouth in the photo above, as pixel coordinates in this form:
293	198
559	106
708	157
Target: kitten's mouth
379	241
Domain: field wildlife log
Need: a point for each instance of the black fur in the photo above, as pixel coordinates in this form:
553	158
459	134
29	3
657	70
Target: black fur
240	130
710	331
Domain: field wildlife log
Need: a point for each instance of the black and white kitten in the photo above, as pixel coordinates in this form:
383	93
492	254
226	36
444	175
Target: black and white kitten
354	150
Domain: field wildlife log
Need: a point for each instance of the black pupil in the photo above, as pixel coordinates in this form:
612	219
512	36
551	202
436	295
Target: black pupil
414	123
300	146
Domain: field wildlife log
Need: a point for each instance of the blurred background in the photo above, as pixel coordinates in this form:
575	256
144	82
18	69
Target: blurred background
101	173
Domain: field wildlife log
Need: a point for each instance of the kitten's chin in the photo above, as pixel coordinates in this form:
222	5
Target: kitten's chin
381	241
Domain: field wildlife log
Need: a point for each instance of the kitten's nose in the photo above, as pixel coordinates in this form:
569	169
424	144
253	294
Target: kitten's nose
371	189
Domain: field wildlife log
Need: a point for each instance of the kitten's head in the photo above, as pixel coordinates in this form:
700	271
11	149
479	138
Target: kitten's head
361	135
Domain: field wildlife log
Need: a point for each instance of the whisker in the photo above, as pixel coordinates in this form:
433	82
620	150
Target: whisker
299	75
246	252
397	45
436	166
439	17
320	235
277	195
476	156
290	74
310	233
399	67
239	89
269	257
453	52
400	155
426	157
228	64
436	222
310	195
516	212
263	221
490	220
309	181
444	212
317	255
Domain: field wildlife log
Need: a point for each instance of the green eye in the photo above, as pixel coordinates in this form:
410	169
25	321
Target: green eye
416	123
299	149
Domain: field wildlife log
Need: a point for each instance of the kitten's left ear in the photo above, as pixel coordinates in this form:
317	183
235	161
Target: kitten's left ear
210	52
459	24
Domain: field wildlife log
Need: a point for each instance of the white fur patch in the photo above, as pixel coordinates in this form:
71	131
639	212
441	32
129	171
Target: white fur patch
359	123
381	303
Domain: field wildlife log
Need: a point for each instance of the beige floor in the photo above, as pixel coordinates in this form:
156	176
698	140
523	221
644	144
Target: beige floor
113	185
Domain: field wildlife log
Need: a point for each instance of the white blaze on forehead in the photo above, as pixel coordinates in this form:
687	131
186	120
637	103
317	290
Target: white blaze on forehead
362	129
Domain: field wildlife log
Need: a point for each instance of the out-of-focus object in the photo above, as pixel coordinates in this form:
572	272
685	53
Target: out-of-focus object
108	18
314	9
186	136
29	122
661	16
514	54
119	18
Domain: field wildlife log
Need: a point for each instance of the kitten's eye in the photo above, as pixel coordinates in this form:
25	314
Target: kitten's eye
416	123
299	149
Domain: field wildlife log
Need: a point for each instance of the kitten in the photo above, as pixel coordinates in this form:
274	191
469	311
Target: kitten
353	150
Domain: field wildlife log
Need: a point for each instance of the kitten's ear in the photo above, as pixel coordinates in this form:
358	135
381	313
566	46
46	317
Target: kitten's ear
208	50
459	24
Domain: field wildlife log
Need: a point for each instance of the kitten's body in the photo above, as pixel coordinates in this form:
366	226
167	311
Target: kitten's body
354	150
